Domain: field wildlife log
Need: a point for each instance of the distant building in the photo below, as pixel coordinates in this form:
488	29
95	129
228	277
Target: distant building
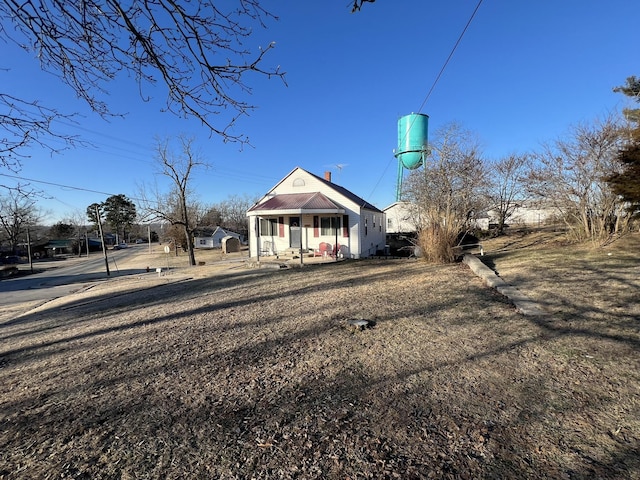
402	217
59	247
527	213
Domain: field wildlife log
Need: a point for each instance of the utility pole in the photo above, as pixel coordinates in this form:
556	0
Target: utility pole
29	250
104	247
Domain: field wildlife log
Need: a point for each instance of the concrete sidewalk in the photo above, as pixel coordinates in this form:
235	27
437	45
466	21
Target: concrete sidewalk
523	304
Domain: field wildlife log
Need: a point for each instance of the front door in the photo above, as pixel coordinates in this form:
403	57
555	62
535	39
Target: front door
295	236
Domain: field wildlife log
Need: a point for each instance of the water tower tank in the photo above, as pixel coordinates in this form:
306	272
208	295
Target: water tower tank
412	139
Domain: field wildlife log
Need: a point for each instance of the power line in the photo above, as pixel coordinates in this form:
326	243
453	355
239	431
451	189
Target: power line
433	86
450	55
239	175
71	187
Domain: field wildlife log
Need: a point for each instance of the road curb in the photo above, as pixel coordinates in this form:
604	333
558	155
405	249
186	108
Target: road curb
523	304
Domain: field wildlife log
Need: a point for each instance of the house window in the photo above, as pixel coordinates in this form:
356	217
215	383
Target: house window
329	225
203	241
268	227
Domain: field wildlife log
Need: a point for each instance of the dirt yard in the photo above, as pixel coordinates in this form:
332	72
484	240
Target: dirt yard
235	373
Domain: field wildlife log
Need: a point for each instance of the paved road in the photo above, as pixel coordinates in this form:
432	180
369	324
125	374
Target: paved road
61	278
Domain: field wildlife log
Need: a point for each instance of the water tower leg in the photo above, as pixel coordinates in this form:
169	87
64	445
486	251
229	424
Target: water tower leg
399	182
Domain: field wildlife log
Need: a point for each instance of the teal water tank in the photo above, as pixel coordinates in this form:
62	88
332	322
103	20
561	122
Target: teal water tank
412	139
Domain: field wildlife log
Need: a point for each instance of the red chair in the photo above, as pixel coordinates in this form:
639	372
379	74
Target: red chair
323	250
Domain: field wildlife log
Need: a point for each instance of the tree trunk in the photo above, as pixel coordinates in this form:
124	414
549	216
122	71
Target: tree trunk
190	249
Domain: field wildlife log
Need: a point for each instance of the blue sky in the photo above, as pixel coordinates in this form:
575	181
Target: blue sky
523	73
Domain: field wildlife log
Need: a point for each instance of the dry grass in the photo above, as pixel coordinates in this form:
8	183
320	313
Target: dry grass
256	374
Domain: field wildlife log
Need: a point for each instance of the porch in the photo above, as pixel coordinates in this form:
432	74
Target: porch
290	258
285	226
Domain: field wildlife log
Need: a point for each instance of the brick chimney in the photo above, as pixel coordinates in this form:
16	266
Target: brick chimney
327	176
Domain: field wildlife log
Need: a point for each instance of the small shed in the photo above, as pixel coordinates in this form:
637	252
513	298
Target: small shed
230	244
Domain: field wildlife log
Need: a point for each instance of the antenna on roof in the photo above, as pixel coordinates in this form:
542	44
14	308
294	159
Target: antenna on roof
339	166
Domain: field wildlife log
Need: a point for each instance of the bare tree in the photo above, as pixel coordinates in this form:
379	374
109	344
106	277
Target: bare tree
234	212
17	211
357	4
177	207
27	122
447	191
507	187
77	219
570	175
197	50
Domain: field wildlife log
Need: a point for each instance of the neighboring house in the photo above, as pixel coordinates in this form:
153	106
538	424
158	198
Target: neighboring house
305	211
208	239
59	247
403	221
402	217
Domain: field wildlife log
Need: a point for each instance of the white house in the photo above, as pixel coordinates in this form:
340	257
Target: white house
309	212
214	240
402	217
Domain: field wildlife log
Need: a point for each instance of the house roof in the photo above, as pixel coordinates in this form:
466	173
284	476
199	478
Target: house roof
343	191
224	232
59	243
399	204
296	209
211	232
297	203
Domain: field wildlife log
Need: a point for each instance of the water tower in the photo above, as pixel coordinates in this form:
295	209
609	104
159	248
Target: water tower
412	145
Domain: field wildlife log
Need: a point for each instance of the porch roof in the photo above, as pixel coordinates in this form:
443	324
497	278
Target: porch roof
296	203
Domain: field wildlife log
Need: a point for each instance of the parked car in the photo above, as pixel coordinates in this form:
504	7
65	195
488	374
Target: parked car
120	246
10	260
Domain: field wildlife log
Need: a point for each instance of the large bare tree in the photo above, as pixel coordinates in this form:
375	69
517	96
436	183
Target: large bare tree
197	50
448	191
570	175
177	206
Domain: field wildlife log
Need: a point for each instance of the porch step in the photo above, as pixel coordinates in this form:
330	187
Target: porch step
291	251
